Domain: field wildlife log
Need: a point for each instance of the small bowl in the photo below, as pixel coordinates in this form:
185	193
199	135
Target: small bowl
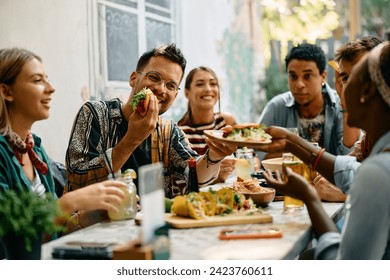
273	164
261	199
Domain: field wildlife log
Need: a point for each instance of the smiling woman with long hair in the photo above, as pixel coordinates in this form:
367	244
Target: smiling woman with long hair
202	89
25	97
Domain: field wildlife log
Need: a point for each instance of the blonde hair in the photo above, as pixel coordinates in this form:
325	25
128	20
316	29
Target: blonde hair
12	61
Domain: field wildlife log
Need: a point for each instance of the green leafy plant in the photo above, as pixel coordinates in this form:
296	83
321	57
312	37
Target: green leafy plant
274	83
26	214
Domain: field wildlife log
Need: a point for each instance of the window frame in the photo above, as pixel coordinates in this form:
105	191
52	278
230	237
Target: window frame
100	86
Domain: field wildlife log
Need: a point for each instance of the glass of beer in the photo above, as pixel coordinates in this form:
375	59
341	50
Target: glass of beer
291	204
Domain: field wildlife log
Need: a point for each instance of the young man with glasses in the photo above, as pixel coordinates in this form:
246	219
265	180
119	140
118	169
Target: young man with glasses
108	136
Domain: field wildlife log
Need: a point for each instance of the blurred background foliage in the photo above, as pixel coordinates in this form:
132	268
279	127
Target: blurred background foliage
375	16
297	20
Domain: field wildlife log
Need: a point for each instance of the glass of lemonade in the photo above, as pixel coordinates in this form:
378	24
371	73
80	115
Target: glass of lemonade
128	208
291	204
244	164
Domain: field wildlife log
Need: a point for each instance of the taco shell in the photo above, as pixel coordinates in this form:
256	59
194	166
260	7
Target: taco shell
179	207
209	203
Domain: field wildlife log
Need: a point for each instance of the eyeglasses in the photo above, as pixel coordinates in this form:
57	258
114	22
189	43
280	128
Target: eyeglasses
155	78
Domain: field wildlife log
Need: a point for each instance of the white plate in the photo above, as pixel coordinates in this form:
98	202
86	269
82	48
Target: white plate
217	136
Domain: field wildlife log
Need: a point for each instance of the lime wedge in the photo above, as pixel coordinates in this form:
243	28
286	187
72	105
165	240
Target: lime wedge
168	204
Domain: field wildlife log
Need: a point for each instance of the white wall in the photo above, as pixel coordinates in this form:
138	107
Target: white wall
203	32
202	23
56	31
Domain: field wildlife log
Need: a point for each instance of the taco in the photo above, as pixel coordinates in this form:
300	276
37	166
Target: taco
209	203
140	101
189	206
246	132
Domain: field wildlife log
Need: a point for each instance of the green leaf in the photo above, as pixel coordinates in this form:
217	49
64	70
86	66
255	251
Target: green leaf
25	213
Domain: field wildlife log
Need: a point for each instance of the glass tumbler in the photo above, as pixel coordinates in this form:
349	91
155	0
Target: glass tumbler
291	204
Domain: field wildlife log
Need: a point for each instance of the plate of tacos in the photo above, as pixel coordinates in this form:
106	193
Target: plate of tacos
214	208
244	135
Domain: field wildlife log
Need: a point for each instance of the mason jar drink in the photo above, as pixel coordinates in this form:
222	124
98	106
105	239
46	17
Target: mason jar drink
128	208
244	164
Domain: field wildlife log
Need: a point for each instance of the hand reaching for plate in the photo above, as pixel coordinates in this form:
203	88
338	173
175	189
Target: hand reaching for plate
218	151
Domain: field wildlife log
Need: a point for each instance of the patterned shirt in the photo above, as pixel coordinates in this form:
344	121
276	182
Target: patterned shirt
100	125
195	134
313	129
362	148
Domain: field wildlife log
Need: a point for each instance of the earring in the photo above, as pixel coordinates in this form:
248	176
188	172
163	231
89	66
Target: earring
362	100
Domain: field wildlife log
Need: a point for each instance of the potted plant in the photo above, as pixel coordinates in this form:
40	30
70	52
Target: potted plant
24	218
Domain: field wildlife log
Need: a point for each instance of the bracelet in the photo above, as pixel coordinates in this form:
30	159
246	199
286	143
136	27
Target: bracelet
317	154
209	161
343	110
78	219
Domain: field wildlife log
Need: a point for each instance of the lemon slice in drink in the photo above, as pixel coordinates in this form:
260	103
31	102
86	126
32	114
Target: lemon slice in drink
243	163
129	173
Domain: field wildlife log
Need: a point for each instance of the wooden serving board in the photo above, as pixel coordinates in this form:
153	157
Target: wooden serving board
246	217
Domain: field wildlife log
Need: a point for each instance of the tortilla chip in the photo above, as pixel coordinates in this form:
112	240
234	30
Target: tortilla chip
334	65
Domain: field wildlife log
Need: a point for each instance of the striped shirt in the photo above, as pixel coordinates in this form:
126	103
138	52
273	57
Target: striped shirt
195	134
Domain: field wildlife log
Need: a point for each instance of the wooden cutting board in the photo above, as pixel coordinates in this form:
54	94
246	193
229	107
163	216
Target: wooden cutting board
229	219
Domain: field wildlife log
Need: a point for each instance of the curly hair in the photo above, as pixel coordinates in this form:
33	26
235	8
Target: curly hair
309	52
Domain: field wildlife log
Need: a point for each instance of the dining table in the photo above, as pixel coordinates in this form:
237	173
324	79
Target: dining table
203	243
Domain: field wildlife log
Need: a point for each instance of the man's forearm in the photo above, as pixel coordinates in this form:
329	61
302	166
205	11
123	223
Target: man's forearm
350	134
121	153
206	172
